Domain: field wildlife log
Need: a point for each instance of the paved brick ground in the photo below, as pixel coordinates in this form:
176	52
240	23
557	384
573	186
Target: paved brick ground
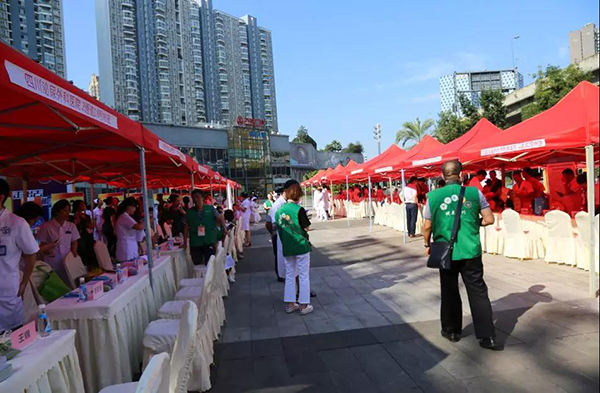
376	324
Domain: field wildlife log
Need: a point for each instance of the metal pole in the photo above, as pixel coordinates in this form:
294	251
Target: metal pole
331	201
370	208
404	207
146	215
229	197
193	186
25	194
589	163
347	202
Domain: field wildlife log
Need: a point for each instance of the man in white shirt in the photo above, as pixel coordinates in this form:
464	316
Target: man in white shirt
326	199
411	205
16	241
277	247
98	220
246	213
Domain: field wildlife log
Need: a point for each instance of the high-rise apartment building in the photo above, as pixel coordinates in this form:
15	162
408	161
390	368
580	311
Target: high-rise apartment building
471	84
35	27
584	43
181	62
94	86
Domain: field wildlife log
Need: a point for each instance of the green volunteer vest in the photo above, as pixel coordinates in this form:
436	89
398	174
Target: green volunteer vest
293	238
443	203
206	218
268	203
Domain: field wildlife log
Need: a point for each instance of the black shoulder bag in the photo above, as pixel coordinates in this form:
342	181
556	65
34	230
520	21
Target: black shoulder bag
441	252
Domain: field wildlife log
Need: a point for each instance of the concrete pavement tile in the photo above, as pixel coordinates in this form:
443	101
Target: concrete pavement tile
358	382
341	361
319	326
312	383
271	347
327	341
263	333
234	350
270	372
383	369
236	334
459	365
345	292
290	327
358	337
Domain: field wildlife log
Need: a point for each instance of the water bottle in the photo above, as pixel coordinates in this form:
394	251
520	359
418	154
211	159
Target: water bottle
156	254
43	322
83	295
119	274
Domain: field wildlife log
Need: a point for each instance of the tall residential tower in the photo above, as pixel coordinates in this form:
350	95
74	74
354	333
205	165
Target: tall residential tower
35	27
181	62
584	43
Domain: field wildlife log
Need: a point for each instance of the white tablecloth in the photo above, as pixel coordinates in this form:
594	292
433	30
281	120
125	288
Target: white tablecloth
182	264
110	330
49	365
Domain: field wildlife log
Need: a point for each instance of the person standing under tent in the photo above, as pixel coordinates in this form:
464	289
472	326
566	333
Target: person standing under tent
477	179
527	190
326	197
108	223
411	205
86	242
572	198
379	195
126	230
176	212
246	209
396	196
16	243
63	234
98	221
272	228
316	201
292	228
201	230
466	255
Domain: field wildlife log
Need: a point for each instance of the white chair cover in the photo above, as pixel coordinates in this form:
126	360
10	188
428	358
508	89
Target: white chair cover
517	243
494	239
155	378
560	245
103	256
191	282
192	294
183	353
583	241
75	268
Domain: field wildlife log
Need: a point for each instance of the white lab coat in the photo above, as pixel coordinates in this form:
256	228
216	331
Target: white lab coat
127	238
16	239
52	231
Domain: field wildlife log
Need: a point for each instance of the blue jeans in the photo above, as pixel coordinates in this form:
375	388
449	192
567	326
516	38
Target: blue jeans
412	212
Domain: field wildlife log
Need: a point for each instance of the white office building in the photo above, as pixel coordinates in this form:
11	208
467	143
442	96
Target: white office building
36	28
471	84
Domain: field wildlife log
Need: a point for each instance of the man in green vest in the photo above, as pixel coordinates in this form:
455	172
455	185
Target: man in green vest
201	223
439	215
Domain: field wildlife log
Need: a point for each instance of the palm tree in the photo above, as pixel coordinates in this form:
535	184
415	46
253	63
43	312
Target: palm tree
414	131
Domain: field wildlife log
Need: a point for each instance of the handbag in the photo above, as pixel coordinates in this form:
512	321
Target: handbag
441	252
53	287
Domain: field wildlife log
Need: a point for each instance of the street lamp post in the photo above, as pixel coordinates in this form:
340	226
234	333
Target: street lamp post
377	136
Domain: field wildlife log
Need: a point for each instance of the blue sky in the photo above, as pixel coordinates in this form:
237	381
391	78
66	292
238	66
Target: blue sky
342	66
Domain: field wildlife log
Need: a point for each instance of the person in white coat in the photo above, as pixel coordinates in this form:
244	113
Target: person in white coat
16	242
316	200
246	209
126	230
326	202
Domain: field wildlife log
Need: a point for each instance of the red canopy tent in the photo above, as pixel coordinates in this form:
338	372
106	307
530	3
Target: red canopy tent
370	167
561	131
340	176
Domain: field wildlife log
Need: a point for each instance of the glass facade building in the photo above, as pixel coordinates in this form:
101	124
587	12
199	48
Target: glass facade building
250	159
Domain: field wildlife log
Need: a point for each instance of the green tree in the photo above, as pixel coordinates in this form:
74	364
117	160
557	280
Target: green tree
354	148
310	174
492	103
450	126
302	136
470	111
551	86
414	131
335	146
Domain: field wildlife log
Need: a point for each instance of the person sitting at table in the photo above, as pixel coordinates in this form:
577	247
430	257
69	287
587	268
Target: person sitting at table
63	234
108	226
532	177
572	197
126	231
16	243
84	225
477	179
526	192
379	194
396	197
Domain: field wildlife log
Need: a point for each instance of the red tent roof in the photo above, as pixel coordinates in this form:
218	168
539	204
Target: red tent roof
559	131
427	158
375	164
329	174
400	161
344	171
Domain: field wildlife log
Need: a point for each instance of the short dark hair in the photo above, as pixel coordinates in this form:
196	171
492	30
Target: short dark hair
294	192
244	195
197	192
108	201
441	183
482	172
186	199
76	204
4	188
451	168
173	197
30	211
127	202
529	171
58	206
290	183
582	178
568	171
412	180
228	215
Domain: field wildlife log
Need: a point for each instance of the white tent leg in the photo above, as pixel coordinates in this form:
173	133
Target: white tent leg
404	207
146	214
589	162
370	208
347	202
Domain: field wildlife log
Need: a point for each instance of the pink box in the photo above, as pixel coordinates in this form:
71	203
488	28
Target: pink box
23	337
95	290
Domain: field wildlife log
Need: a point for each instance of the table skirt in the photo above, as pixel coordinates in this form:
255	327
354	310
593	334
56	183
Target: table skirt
63	377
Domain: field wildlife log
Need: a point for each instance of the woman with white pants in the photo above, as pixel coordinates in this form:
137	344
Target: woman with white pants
292	226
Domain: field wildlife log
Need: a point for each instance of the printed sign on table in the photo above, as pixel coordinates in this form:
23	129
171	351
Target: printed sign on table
23	337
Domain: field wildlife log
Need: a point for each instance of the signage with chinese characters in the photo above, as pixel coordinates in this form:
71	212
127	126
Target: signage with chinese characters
516	147
248	122
23	337
172	150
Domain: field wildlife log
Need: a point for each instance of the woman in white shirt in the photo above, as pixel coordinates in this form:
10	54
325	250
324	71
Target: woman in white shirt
126	231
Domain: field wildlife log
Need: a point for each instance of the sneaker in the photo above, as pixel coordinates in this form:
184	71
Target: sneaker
291	309
231	279
307	310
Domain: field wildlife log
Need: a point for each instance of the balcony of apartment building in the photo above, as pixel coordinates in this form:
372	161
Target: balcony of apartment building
162	51
160	5
129	4
163	64
128	23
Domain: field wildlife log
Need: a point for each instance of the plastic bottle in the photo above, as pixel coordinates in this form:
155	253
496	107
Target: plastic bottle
43	322
119	274
83	295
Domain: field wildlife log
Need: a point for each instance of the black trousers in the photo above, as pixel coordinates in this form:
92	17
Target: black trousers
471	271
201	255
274	241
412	213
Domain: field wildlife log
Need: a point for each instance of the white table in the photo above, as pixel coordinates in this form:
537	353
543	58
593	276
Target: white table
110	330
48	365
182	264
